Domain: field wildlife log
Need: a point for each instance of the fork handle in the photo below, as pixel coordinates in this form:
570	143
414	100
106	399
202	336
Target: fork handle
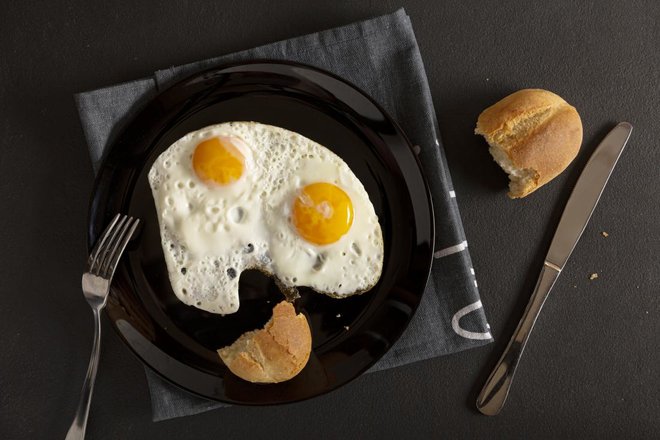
496	389
77	429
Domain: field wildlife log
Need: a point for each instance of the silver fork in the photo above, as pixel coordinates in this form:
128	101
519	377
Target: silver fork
96	280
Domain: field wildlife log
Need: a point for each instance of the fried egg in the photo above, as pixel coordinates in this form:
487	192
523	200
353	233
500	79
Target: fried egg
243	195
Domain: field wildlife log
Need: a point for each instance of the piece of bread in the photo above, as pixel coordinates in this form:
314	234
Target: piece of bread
533	135
273	354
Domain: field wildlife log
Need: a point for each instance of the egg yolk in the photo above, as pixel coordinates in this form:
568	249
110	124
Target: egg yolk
322	213
218	160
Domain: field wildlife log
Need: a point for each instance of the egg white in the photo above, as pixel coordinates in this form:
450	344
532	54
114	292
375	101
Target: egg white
350	265
211	233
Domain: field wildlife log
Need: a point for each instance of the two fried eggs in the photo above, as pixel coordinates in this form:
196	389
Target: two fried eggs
244	195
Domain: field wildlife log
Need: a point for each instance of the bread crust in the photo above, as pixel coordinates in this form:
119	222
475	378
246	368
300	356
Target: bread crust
276	353
539	133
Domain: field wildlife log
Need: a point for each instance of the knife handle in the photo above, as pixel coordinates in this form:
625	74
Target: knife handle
496	389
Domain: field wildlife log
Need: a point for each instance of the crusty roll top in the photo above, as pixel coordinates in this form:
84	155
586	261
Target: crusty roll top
537	134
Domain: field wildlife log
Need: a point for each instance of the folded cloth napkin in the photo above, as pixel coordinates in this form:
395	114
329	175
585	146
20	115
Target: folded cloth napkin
380	56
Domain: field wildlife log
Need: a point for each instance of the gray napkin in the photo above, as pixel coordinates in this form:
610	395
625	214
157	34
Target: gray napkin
381	57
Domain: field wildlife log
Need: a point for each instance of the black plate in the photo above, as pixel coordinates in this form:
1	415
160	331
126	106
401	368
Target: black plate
349	335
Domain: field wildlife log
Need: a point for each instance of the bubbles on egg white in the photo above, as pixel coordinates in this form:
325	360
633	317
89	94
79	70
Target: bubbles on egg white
265	260
212	229
236	214
319	262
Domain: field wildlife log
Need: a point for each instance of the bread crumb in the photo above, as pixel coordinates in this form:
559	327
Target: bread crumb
346	327
338	315
593	276
605	234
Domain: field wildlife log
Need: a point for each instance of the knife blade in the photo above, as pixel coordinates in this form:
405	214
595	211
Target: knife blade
586	194
574	219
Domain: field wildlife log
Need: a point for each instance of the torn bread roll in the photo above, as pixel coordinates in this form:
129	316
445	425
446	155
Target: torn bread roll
273	354
533	135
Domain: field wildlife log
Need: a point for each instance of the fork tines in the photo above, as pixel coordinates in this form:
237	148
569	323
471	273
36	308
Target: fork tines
104	257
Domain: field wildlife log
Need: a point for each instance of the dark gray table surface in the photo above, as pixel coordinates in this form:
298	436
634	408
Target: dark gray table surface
593	367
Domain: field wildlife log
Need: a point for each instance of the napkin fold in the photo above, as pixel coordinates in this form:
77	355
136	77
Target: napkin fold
380	56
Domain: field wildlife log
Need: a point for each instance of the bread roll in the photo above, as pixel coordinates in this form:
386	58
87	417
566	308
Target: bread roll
273	354
533	135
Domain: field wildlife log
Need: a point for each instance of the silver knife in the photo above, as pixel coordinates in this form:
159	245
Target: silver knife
577	213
